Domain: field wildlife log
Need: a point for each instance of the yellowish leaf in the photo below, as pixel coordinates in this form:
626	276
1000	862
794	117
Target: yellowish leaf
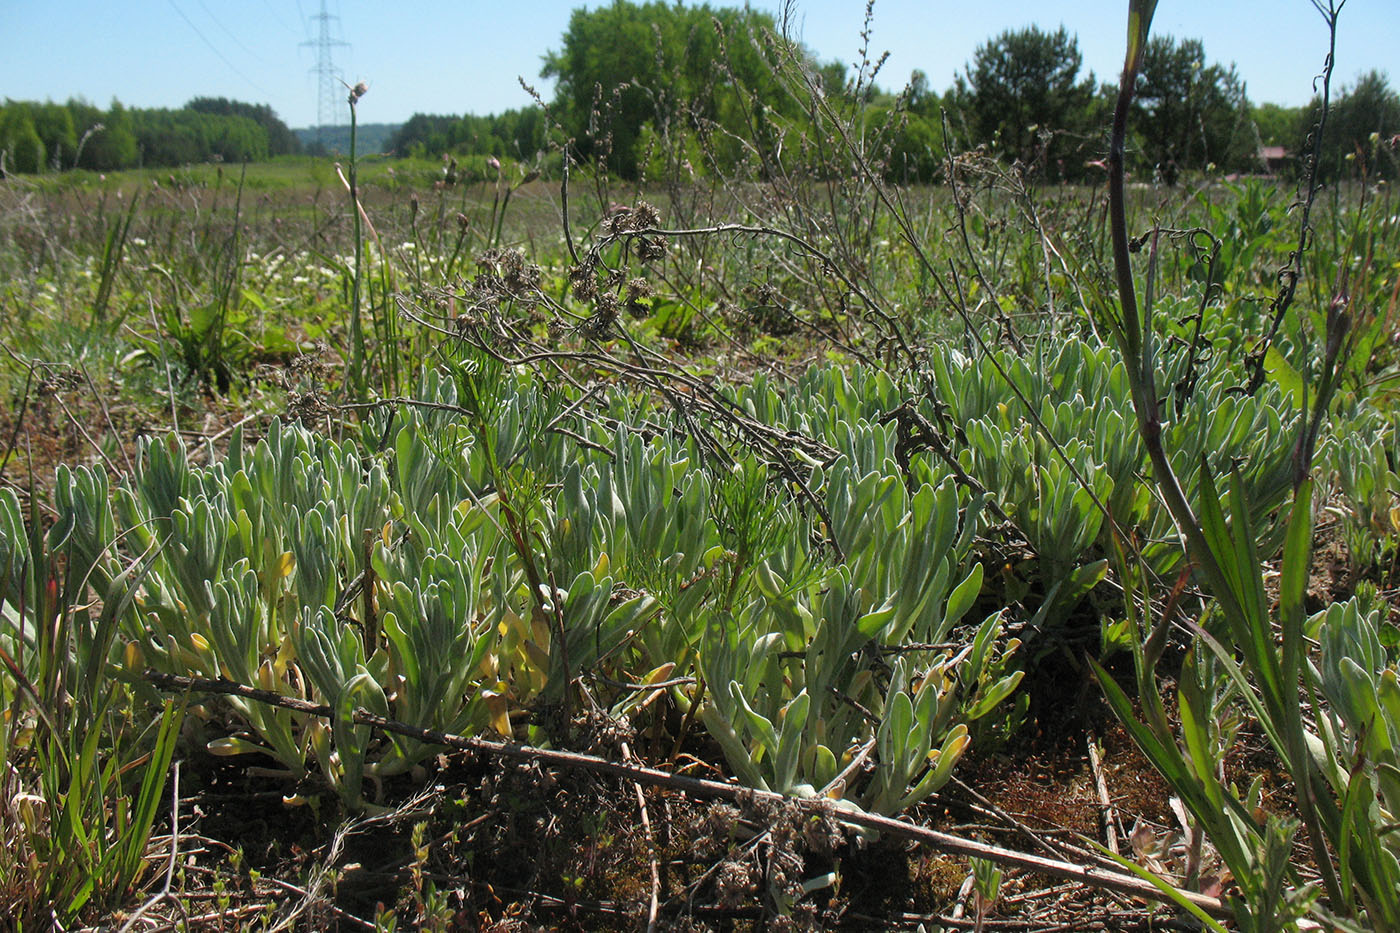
498	711
660	674
233	745
539	658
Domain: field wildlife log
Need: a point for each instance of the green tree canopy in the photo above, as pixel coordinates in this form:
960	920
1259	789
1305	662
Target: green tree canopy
519	134
1276	124
111	147
677	68
280	139
1363	120
22	148
36	136
1190	114
1022	93
54	124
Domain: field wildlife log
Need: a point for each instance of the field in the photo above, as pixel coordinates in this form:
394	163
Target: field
781	552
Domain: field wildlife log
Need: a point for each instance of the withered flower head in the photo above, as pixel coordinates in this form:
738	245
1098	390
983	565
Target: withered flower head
619	220
583	281
507	274
645	216
638	291
651	248
600	323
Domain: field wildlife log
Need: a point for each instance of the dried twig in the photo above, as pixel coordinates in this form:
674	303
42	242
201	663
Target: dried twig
1092	875
654	902
164	892
1108	817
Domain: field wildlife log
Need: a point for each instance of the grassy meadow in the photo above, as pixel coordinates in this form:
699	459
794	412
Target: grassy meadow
364	564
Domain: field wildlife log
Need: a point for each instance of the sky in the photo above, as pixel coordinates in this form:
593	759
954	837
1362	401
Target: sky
445	57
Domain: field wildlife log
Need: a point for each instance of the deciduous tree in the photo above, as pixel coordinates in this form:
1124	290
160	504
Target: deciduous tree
1361	127
1023	94
1189	114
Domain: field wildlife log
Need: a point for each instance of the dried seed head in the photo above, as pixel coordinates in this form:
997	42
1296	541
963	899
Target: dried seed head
600	323
619	219
638	291
645	216
583	281
519	276
734	883
506	274
309	408
463	221
652	248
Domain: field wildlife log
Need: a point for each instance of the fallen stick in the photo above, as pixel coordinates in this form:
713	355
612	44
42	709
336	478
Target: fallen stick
1108	819
940	842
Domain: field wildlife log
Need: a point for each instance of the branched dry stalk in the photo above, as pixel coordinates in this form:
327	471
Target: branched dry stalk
1092	875
685	391
960	207
1292	272
165	891
953	295
829	264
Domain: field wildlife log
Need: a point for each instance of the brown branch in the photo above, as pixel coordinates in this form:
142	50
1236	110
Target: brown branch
1093	876
654	901
1107	815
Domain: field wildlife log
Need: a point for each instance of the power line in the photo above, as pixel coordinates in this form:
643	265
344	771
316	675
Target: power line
223	58
281	20
228	32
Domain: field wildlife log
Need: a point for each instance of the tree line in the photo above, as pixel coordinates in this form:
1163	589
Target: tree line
656	88
41	137
659	89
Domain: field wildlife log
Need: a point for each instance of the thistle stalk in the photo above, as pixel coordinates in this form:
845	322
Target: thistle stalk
1225	577
356	380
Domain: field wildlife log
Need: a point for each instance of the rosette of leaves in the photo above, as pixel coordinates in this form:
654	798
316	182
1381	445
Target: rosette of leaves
1361	725
904	550
1365	460
649	509
788	718
798	678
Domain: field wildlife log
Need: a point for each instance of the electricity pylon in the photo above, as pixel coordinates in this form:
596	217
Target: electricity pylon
328	77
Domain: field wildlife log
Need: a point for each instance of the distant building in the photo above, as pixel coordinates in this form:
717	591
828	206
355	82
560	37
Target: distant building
1274	159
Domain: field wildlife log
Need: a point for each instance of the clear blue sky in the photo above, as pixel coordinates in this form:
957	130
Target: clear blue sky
439	56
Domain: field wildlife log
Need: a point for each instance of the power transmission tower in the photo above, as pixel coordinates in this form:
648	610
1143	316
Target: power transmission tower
327	75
